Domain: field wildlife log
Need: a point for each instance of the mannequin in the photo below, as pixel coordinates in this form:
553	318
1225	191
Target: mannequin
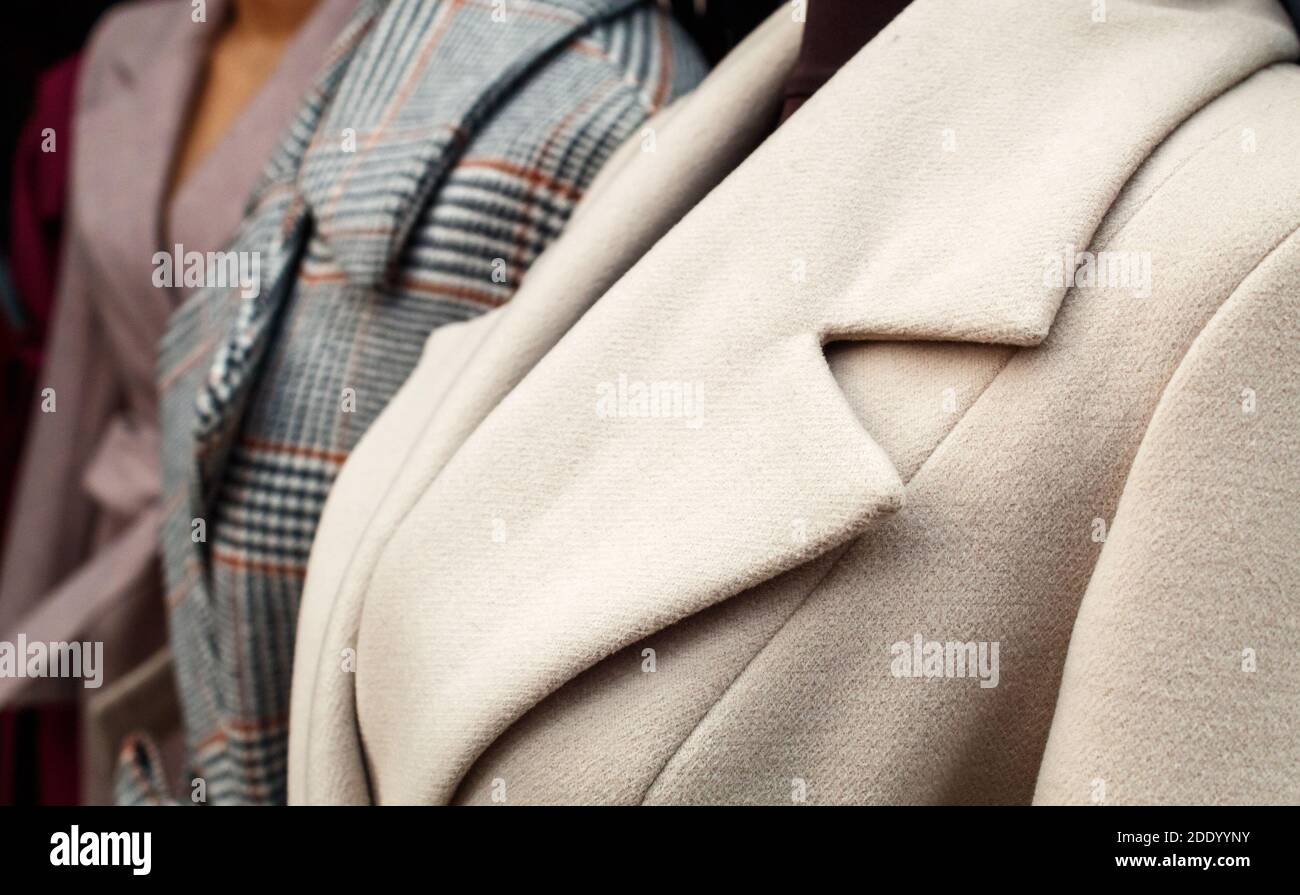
242	58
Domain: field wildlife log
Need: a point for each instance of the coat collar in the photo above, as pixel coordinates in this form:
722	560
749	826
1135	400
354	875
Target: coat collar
731	112
369	148
276	226
916	196
127	141
394	131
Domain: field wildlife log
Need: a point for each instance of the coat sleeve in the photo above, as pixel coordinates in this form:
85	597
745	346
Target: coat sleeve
1182	680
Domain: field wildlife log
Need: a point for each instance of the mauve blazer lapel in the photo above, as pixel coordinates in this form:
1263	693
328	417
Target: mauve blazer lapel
901	202
134	132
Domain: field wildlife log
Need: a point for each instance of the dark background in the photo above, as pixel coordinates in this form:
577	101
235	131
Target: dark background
36	34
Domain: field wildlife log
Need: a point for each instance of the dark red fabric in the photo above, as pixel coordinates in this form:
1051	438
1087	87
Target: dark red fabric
833	32
58	769
40	182
38	746
38	756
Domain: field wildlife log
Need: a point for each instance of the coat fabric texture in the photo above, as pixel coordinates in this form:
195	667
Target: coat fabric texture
442	148
940	453
82	562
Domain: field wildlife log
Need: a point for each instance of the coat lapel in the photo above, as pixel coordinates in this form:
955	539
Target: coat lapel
377	145
134	133
387	143
276	228
468	368
686	441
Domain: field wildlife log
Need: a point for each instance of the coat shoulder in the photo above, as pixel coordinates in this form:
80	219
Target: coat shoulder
126	38
1245	139
1214	200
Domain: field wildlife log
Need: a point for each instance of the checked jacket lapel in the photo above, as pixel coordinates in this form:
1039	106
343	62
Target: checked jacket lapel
276	229
215	338
211	343
363	158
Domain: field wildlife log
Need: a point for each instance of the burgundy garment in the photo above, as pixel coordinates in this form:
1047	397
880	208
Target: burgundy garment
832	35
40	182
38	746
38	761
57	764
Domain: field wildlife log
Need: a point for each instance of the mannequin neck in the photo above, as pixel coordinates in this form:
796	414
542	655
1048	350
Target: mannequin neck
274	20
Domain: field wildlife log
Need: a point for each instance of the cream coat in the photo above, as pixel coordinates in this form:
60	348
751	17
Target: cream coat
908	424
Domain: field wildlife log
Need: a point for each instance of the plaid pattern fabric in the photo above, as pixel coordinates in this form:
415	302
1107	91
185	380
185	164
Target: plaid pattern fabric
442	150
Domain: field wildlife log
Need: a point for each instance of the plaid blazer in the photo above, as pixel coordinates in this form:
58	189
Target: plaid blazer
442	148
